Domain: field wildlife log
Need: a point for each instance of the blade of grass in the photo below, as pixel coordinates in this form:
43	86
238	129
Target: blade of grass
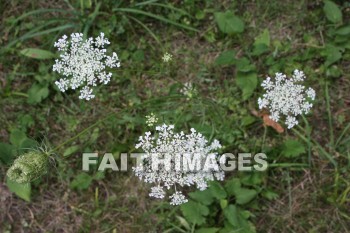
160	18
331	132
146	28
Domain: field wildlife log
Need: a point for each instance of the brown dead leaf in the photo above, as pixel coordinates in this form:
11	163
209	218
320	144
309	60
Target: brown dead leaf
267	121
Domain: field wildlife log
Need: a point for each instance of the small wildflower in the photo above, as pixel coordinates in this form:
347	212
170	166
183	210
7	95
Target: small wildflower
28	167
173	146
178	198
188	90
167	57
286	97
83	63
151	120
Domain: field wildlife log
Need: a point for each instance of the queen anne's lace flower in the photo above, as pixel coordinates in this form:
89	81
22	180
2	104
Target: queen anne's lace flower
151	120
286	97
83	63
171	173
167	57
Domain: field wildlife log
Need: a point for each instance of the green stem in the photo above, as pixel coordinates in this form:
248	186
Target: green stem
82	132
329	117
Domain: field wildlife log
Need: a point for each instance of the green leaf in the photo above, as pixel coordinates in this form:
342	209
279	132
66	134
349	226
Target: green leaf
17	137
333	54
205	197
244	195
37	53
239	219
247	82
21	190
207	230
226	58
343	31
332	11
229	23
217	190
263	38
37	93
194	212
81	181
7	153
292	148
70	150
232	185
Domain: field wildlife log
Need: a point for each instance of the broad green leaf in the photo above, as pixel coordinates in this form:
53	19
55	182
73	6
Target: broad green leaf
37	53
239	219
247	82
244	195
244	65
194	212
229	23
217	190
17	137
81	181
343	31
21	190
333	54
232	185
292	148
226	58
37	93
205	197
332	11
7	153
263	38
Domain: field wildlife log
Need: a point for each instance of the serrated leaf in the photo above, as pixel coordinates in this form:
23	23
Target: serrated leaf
194	212
217	190
229	23
37	53
226	58
205	197
244	195
81	181
292	148
21	190
232	185
239	219
37	93
263	38
247	82
332	11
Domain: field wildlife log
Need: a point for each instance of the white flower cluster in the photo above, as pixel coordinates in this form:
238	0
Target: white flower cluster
151	120
83	63
286	97
188	90
167	57
174	146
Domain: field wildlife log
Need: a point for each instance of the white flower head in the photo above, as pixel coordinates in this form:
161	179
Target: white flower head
188	90
167	57
151	120
286	97
83	63
176	148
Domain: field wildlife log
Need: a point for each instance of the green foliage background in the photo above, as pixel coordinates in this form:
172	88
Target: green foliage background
226	49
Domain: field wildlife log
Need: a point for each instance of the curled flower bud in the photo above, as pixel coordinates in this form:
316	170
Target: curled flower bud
28	167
